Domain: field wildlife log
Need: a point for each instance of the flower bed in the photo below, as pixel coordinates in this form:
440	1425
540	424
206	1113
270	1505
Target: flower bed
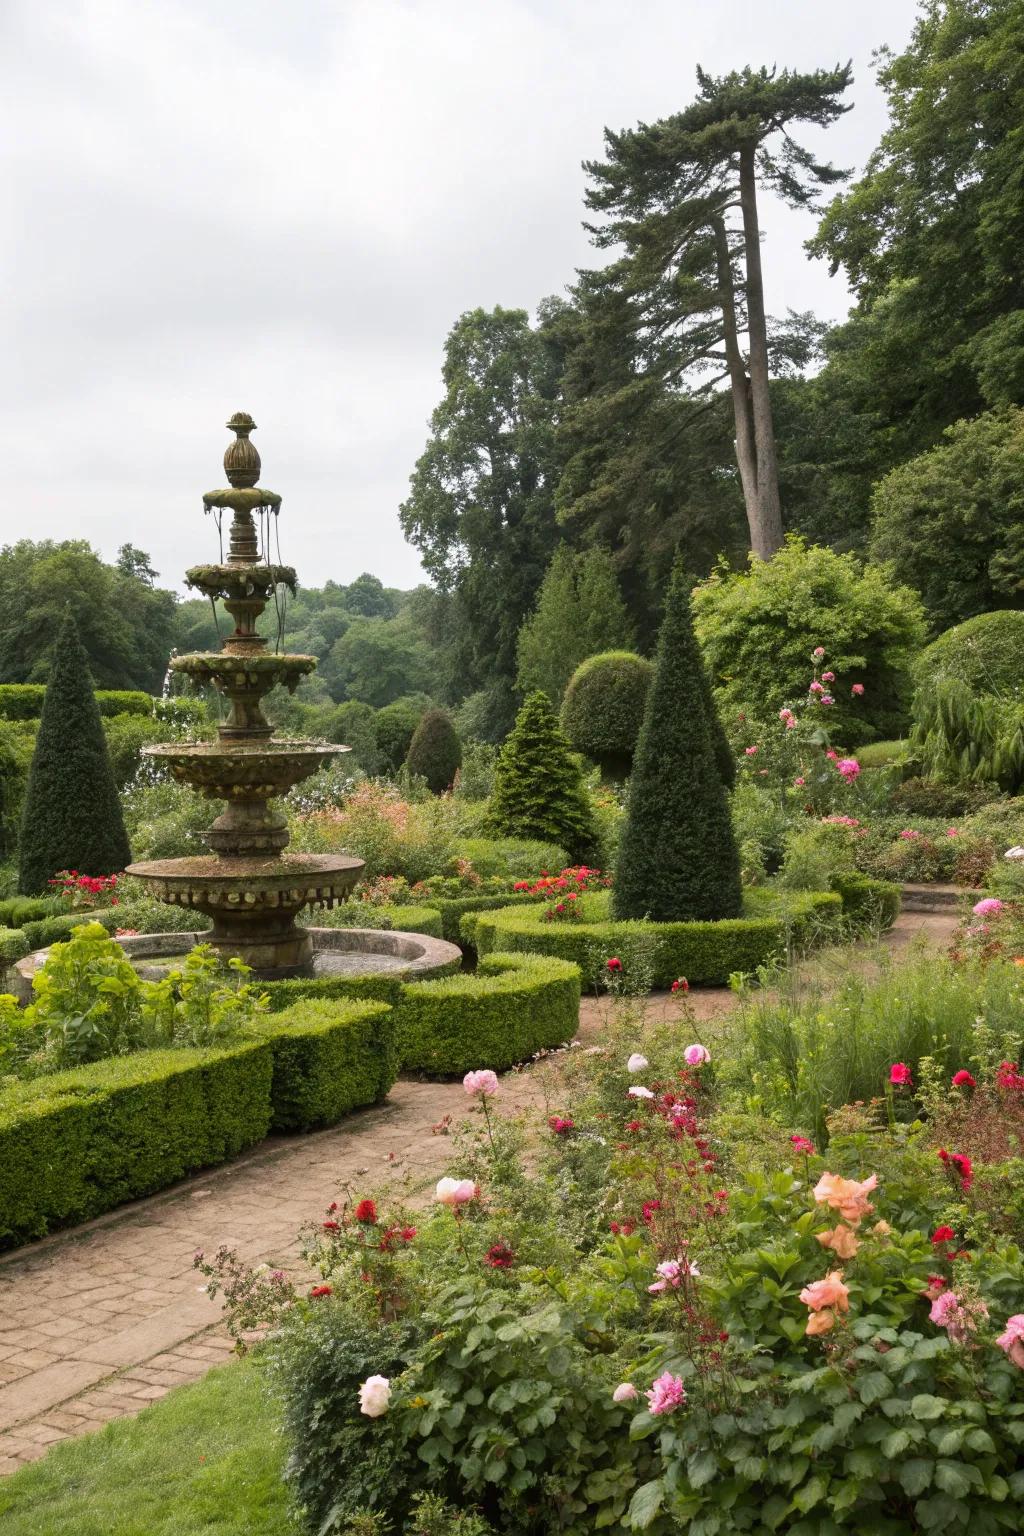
705	953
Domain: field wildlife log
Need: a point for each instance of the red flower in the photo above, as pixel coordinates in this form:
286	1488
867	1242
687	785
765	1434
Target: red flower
803	1144
500	1256
680	984
407	1234
899	1074
614	964
1009	1077
366	1212
942	1235
962	1163
649	1209
633	1125
963	1079
319	1291
332	1226
560	1126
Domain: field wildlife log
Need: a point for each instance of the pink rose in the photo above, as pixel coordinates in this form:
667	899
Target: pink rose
1012	1341
666	1394
849	768
830	1292
750	751
828	677
455	1191
672	1272
900	1075
847	1196
819	651
625	1392
857	690
990	907
696	1055
799	783
484	1082
817	687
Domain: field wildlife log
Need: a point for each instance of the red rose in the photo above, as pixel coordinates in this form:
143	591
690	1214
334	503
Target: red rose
942	1235
614	964
319	1291
963	1079
332	1226
366	1212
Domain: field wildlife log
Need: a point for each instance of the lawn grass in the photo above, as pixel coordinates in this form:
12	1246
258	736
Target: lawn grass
204	1461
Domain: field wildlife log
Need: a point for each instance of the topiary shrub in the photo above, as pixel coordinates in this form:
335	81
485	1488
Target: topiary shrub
603	709
72	815
395	726
330	1057
538	788
435	752
678	859
986	653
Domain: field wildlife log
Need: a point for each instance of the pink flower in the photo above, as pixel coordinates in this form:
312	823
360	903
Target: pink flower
826	698
561	1126
908	834
799	783
847	1196
696	1055
666	1393
785	714
857	690
900	1075
819	651
803	1144
484	1082
960	1319
455	1191
750	751
816	687
990	907
625	1392
672	1272
963	1079
828	677
1012	1341
830	1292
833	757
849	768
952	832
791	723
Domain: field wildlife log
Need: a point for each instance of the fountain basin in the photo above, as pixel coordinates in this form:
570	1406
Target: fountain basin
226	770
335	951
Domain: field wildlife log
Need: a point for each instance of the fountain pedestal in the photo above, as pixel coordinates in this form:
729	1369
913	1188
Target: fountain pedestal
247	885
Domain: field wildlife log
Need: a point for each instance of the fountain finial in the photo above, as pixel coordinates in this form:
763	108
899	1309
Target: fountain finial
241	458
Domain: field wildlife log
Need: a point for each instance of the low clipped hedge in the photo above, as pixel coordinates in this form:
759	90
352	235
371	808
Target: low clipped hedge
867	901
511	1008
16	910
369	988
454	908
329	1057
24	701
390	918
513	858
14	945
80	1142
705	953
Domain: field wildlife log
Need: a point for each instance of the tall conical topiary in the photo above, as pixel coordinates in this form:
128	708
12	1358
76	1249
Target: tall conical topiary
538	788
72	816
435	752
677	854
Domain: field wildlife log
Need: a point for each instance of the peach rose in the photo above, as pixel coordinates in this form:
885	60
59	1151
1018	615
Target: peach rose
840	1239
820	1322
847	1196
830	1292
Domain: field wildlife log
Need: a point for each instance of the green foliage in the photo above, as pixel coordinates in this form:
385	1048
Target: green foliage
376	661
513	1006
706	953
166	820
677	857
24	701
435	752
72	815
579	612
966	737
538	790
142	1474
867	903
603	709
80	1142
452	909
930	797
986	653
14	945
757	629
126	736
371	988
514	858
392	834
949	520
330	1057
16	745
364	914
395	726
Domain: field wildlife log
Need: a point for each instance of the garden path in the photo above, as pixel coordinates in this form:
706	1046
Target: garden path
97	1322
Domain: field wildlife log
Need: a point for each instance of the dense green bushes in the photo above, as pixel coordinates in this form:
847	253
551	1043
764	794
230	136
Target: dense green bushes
705	953
80	1142
603	709
986	653
513	1007
435	752
329	1058
24	701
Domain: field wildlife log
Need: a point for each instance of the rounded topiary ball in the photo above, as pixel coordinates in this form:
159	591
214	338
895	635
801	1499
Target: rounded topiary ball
603	708
435	752
986	653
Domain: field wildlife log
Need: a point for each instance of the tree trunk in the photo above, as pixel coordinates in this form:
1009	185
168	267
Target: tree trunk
746	452
767	538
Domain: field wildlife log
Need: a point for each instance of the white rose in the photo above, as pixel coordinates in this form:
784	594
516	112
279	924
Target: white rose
636	1063
640	1093
374	1396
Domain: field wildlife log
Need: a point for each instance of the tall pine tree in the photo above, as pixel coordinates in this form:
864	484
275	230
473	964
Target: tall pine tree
72	817
677	856
538	789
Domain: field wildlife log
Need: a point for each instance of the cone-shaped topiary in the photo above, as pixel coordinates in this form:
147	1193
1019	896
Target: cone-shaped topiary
677	854
603	709
435	752
538	788
72	816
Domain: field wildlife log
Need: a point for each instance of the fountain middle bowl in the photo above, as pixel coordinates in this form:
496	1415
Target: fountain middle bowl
225	770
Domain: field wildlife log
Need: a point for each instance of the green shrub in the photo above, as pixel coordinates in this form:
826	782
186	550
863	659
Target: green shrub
330	1057
961	736
394	726
514	858
126	736
538	789
678	859
16	746
816	852
603	709
453	909
165	820
758	628
72	814
435	752
867	902
1000	820
81	1142
16	910
880	754
760	822
930	797
364	914
986	653
475	779
14	945
371	988
511	1008
705	953
24	701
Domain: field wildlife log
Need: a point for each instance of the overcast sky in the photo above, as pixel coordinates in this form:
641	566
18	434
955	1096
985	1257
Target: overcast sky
219	205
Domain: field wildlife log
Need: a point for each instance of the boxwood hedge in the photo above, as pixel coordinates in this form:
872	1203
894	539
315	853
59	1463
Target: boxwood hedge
80	1142
512	1007
24	701
707	953
329	1058
866	901
423	918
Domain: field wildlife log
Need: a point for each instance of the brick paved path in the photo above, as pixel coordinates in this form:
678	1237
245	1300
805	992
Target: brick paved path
99	1321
